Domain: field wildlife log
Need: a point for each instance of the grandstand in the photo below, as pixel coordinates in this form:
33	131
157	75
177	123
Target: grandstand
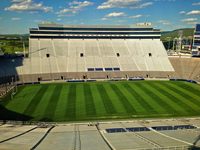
186	67
78	52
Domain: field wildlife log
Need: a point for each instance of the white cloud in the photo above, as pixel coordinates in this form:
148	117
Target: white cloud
115	14
134	4
189	20
18	1
165	22
74	7
142	5
15	19
136	16
104	18
27	5
117	3
194	12
182	12
65	11
196	4
58	19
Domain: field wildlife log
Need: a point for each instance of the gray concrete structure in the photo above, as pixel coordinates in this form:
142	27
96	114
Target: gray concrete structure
90	136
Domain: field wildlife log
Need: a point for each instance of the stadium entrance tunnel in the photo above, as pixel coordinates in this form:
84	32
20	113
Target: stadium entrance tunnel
39	79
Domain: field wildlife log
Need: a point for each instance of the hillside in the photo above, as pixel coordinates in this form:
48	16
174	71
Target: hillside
187	32
11	43
168	37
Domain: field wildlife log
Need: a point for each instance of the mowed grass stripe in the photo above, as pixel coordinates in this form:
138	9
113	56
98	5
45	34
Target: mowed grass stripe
80	102
89	101
123	99
162	98
110	109
132	100
187	95
71	103
53	101
150	97
137	97
35	100
22	100
178	105
59	114
114	98
189	107
154	93
195	94
100	109
40	109
191	87
144	96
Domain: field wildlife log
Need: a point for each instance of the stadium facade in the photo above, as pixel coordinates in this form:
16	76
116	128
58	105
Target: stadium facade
196	41
98	51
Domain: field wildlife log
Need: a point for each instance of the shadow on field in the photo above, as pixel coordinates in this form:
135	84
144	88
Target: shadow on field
6	114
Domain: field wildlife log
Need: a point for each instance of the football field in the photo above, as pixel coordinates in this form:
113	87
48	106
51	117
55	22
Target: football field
102	100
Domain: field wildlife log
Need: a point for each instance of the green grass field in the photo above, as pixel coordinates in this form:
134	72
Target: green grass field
102	100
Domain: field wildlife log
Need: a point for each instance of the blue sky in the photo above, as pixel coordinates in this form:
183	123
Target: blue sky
17	16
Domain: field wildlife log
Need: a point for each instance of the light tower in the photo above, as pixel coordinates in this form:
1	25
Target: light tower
179	42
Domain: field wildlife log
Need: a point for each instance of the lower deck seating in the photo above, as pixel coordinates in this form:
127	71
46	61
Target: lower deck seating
128	54
186	67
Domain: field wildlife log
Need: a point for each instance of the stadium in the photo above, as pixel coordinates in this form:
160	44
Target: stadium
99	87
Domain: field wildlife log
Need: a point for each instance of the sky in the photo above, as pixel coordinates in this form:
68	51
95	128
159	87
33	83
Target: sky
17	16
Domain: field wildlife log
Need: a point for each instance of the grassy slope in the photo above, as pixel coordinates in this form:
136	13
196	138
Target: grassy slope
103	100
12	43
187	32
171	35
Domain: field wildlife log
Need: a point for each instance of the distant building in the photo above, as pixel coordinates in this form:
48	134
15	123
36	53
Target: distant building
196	41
